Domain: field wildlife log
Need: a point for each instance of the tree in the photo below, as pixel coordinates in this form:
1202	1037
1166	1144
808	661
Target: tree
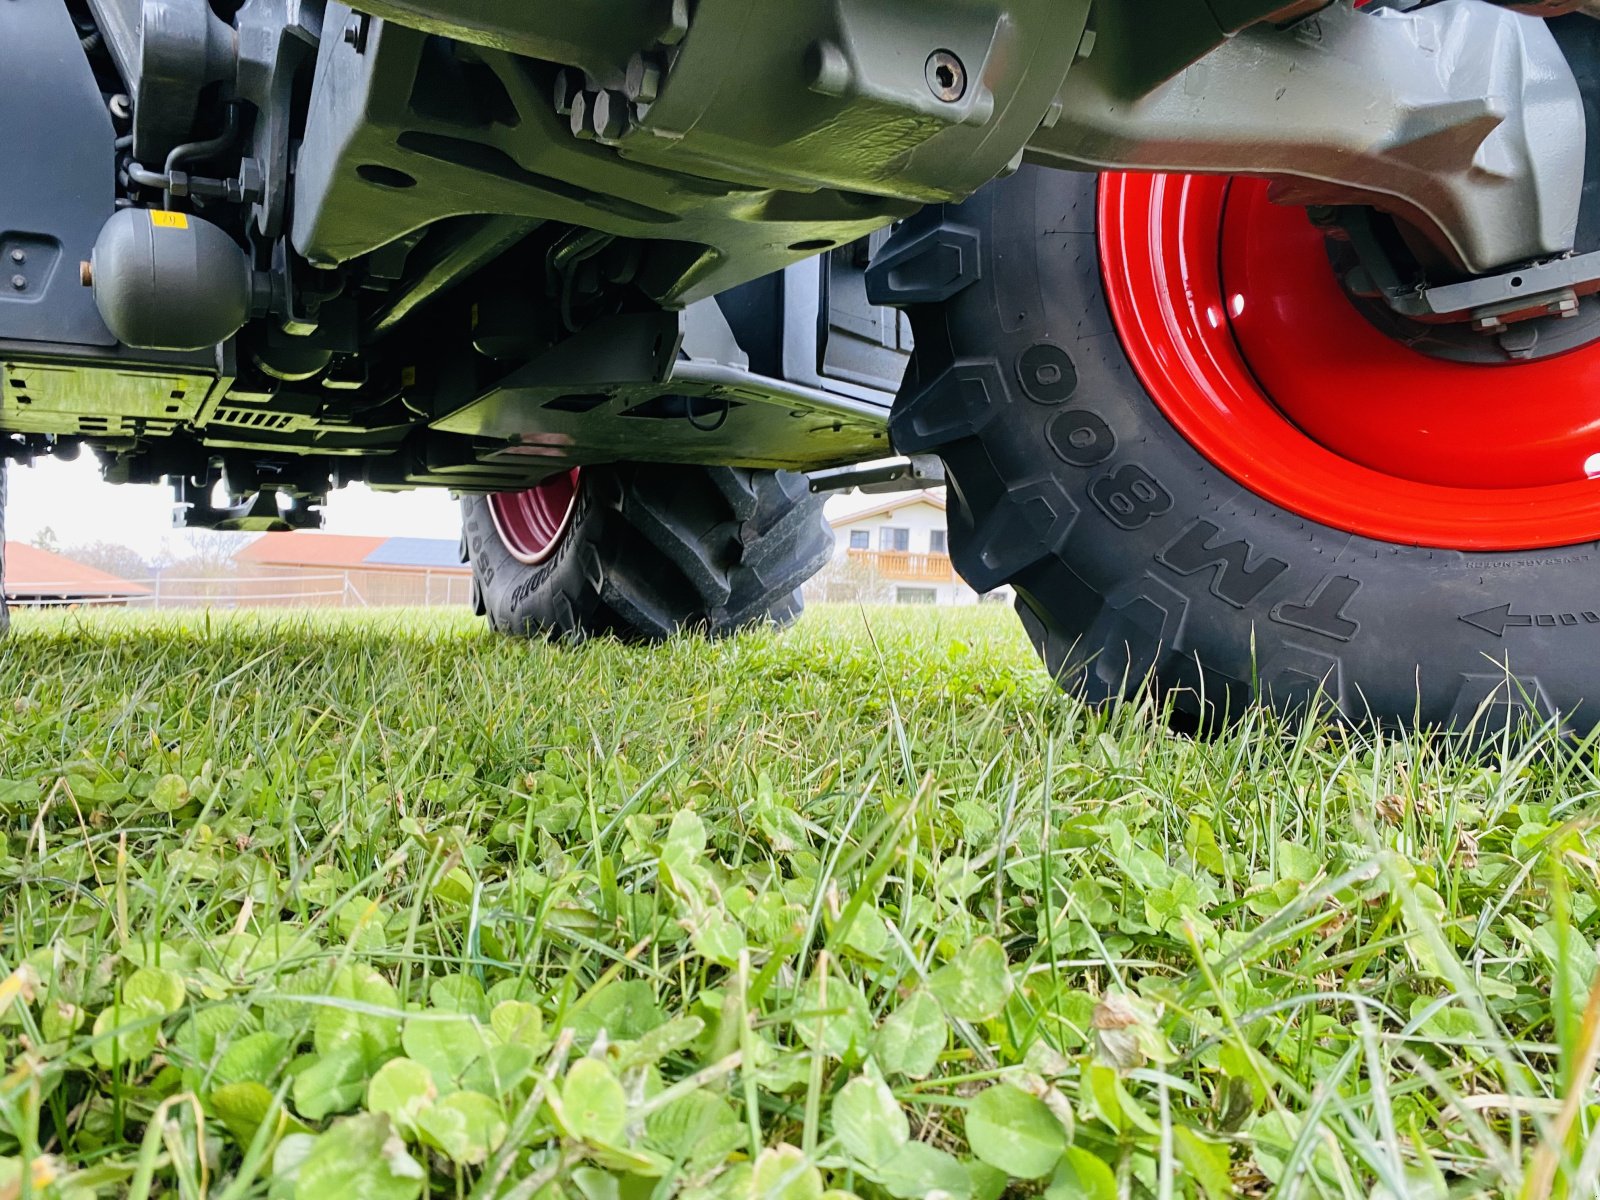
46	539
848	581
208	553
112	557
202	571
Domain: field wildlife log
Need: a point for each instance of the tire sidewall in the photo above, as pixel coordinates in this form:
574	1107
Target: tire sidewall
524	598
1133	555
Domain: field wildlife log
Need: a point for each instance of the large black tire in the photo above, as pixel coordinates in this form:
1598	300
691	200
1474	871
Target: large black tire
1134	558
654	550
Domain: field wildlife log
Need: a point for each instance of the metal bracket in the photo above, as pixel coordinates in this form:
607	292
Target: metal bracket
62	167
1528	291
1521	293
622	389
254	512
1523	313
897	475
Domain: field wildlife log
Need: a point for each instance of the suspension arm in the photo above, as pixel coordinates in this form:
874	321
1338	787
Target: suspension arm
1462	118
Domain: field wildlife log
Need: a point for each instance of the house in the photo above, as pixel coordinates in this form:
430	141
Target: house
344	570
893	549
39	577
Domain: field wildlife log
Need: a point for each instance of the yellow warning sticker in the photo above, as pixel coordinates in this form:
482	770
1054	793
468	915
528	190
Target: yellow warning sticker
169	220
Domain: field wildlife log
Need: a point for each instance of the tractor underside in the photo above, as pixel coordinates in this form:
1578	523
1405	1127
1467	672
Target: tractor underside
281	245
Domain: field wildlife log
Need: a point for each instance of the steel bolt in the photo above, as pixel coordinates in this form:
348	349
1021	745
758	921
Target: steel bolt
677	23
355	32
582	116
947	78
19	256
20	282
1519	343
643	80
569	86
611	116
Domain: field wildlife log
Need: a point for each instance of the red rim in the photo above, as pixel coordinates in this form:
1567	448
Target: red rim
1231	315
530	523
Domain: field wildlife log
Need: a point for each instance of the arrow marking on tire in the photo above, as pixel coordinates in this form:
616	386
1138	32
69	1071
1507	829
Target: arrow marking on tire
1498	620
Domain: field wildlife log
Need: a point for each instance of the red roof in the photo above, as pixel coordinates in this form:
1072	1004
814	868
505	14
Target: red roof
307	549
32	572
345	552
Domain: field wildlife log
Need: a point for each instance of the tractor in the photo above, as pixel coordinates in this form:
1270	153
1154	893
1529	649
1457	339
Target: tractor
1253	340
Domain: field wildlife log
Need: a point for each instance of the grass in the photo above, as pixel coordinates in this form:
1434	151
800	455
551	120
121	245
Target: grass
385	907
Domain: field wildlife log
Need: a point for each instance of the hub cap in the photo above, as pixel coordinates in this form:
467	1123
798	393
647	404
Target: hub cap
530	523
1241	333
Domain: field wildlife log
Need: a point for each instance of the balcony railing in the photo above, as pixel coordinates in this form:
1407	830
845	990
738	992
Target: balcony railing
905	565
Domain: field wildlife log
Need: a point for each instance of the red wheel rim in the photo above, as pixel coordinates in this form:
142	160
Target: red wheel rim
1237	327
530	523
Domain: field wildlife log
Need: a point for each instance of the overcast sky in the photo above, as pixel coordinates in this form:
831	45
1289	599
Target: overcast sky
72	499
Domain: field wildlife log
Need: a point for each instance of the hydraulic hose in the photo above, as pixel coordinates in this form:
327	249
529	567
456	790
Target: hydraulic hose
193	151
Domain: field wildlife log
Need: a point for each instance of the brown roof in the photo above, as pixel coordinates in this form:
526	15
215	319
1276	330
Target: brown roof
33	572
307	549
347	552
900	500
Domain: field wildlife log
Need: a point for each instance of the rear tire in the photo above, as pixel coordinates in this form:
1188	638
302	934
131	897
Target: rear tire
1135	559
652	550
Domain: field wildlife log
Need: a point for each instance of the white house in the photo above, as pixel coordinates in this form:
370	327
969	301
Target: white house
893	548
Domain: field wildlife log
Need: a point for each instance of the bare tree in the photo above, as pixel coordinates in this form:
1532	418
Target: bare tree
848	581
112	557
203	569
208	554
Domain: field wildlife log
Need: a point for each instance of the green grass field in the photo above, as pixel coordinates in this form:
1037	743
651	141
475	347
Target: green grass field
384	907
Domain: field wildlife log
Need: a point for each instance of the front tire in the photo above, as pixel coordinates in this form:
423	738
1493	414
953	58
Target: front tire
645	551
1136	558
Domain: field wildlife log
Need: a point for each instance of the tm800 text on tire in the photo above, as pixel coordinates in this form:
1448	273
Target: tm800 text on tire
1183	484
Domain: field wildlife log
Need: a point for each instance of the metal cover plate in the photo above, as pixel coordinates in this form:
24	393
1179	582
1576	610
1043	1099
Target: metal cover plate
97	400
59	164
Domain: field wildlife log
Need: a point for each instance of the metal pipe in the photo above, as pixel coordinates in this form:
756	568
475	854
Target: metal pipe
197	151
568	254
202	150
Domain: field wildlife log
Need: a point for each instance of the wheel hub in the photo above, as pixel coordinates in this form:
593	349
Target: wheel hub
531	523
1243	335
